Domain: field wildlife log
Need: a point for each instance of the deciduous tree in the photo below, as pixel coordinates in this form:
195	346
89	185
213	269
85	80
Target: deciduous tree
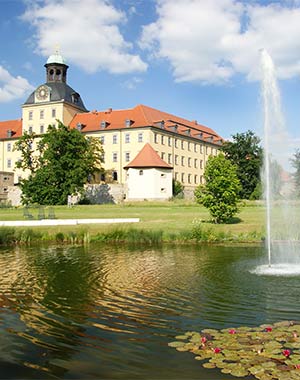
220	192
58	164
246	153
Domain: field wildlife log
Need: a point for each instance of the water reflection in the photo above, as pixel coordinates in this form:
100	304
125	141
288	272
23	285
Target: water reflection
109	313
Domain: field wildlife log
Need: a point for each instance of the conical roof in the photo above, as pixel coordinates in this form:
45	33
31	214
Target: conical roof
147	158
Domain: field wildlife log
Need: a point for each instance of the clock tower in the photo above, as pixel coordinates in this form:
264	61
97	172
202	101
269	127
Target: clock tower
53	100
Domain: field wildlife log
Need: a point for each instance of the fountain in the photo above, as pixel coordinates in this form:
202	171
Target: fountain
282	214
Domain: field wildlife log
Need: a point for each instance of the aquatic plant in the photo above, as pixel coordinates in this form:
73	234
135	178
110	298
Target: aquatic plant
267	352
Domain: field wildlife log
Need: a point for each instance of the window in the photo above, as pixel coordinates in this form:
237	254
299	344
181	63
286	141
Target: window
41	129
176	159
155	138
169	141
127	138
127	122
42	113
115	139
182	161
30	115
189	178
189	162
102	139
162	139
162	155
141	172
176	176
195	148
53	112
201	164
127	156
195	179
170	158
201	148
9	163
207	150
182	144
195	163
182	177
140	137
115	157
176	143
30	129
9	147
189	146
115	175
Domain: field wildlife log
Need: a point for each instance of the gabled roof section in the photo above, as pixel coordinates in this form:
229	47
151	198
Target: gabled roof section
147	158
142	116
15	126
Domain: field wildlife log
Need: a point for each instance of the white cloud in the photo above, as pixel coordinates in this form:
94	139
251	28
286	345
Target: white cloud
12	88
210	41
87	33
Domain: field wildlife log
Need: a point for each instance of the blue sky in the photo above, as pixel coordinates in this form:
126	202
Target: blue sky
198	59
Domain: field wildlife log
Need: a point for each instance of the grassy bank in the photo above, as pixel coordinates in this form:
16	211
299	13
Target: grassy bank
174	221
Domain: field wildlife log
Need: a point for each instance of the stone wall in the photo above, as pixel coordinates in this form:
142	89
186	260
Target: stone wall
14	195
105	193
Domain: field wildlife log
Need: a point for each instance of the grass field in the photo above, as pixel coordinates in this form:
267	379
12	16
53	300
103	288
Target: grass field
173	218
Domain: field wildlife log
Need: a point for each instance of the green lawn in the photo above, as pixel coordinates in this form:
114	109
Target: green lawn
171	217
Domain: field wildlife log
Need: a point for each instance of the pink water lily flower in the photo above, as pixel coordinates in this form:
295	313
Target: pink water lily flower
297	366
286	353
268	329
203	340
232	331
217	350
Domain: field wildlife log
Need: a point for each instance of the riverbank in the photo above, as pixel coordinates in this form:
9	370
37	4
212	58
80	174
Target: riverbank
176	222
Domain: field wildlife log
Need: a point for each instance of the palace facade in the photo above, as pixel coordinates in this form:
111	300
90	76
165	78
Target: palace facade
184	146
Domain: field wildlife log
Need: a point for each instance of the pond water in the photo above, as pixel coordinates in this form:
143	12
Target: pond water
109	313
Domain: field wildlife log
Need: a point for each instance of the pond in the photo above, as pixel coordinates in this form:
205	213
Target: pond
109	313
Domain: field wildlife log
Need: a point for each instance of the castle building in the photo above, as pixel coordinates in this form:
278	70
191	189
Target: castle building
182	146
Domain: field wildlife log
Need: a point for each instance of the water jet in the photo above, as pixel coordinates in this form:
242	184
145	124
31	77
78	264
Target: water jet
282	221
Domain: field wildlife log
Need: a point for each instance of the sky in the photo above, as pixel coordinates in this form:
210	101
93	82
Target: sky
198	59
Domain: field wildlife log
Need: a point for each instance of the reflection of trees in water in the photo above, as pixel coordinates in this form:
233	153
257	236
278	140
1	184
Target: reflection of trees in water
49	289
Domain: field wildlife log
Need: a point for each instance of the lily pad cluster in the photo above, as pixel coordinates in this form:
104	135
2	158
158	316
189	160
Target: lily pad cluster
266	352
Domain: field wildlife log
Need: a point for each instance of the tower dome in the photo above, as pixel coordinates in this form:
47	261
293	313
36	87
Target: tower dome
56	58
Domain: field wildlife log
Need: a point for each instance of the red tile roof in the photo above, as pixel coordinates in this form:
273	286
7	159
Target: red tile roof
147	158
141	116
14	125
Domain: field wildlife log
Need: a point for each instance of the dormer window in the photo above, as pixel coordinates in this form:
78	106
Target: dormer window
188	132
79	126
75	97
128	123
103	124
9	133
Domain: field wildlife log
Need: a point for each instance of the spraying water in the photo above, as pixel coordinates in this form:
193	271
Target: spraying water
282	221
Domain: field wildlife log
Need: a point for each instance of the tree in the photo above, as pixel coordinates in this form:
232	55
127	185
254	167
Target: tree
221	189
245	152
59	166
295	162
178	188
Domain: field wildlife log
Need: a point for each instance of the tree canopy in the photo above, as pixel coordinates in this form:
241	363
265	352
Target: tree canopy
246	153
221	189
295	162
59	163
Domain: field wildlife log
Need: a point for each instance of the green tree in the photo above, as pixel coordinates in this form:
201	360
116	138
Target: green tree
220	192
246	152
295	162
178	188
58	166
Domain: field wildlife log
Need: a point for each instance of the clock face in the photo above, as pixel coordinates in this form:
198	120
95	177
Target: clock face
42	93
